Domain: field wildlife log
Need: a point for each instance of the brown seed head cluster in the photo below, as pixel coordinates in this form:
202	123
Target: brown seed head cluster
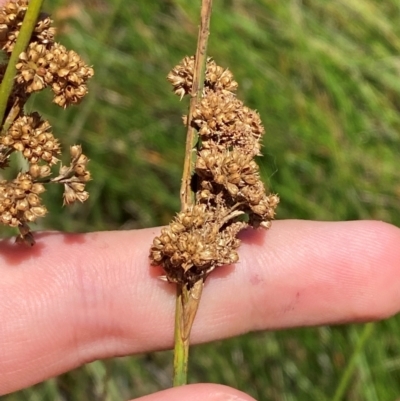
11	17
223	121
230	195
194	244
45	63
217	78
54	66
20	201
32	136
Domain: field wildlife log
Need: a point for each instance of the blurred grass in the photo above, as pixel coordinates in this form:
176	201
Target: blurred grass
324	76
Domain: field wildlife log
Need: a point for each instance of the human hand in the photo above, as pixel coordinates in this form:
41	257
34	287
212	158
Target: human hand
75	298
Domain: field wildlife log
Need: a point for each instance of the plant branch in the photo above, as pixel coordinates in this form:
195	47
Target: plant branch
28	25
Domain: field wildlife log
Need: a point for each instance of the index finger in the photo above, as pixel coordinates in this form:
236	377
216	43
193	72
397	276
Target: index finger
75	298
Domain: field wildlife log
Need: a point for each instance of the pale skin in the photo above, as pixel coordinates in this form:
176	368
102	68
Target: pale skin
72	299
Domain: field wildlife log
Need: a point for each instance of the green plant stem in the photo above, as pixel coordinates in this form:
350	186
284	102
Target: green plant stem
187	304
181	350
187	300
187	196
348	373
24	35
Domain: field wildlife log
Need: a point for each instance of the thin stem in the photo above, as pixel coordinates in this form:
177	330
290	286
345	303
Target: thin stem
187	197
181	350
351	366
187	304
24	35
187	300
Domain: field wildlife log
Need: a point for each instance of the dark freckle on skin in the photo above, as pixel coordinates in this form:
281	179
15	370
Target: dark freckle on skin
290	307
255	279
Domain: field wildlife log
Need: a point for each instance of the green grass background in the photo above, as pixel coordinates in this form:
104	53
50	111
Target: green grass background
325	78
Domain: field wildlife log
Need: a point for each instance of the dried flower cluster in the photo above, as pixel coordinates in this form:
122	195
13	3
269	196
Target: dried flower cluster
44	64
54	66
11	17
230	195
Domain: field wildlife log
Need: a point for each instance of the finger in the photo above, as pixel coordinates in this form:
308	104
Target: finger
198	392
75	298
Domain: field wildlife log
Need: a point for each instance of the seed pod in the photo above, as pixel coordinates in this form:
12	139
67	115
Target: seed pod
39	211
82	196
22	204
69	195
37	188
34	170
76	151
33	199
77	186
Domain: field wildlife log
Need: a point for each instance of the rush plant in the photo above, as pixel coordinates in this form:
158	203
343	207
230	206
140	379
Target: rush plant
32	61
221	192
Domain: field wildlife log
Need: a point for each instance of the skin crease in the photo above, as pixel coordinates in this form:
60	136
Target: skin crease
72	299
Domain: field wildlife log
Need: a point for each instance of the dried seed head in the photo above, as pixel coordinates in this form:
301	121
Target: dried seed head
216	77
181	77
18	201
43	64
44	32
227	178
64	71
74	192
233	170
219	78
11	17
31	68
223	121
194	244
70	74
74	177
32	136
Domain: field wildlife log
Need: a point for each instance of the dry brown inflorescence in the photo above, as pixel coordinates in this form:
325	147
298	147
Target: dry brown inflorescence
229	194
45	63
